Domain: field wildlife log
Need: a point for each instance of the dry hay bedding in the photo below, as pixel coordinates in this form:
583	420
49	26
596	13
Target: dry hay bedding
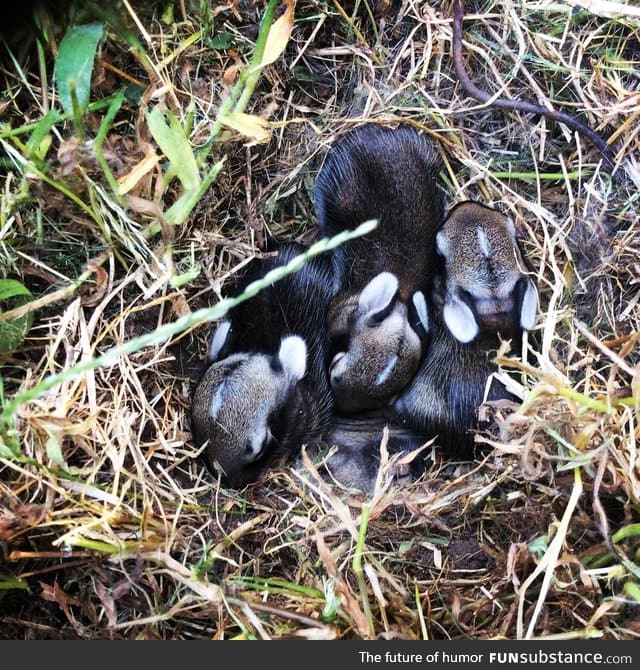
125	534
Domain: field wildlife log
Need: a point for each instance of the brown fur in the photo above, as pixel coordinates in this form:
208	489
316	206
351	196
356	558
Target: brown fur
388	175
485	272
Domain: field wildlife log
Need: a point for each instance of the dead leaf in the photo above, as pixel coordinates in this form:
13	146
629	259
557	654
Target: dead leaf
121	588
279	34
180	306
518	555
251	126
129	181
54	594
144	206
108	602
99	287
12	521
456	605
230	74
69	155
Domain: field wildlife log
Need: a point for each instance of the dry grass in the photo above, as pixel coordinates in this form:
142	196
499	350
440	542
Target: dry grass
110	527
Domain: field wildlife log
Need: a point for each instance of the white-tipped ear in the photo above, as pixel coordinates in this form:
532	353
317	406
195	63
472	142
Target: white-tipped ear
218	340
218	399
442	244
420	305
338	365
460	320
529	307
378	293
293	356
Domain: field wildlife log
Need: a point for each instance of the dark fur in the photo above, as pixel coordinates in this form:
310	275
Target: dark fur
295	305
374	172
451	382
356	462
387	174
444	397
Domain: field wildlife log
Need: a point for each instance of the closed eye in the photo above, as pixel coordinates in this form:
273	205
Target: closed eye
336	359
378	317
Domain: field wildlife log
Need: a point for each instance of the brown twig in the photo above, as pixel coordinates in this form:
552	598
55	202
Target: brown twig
518	105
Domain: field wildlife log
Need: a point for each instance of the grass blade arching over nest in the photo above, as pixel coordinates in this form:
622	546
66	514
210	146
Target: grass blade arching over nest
162	333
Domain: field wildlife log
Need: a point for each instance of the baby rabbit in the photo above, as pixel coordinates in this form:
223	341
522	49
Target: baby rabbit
356	462
481	294
378	322
267	389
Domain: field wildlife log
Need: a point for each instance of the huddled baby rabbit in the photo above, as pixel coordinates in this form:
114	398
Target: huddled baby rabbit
476	291
378	321
266	391
482	294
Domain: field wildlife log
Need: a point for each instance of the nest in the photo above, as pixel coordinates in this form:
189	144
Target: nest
110	525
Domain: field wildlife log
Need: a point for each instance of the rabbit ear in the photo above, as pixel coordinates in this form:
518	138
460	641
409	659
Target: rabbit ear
338	366
460	320
529	306
377	295
442	244
219	339
420	305
292	355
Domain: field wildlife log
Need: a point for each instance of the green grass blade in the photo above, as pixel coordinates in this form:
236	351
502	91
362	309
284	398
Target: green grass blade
174	144
74	64
13	331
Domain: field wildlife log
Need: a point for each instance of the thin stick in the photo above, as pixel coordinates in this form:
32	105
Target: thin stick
517	105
